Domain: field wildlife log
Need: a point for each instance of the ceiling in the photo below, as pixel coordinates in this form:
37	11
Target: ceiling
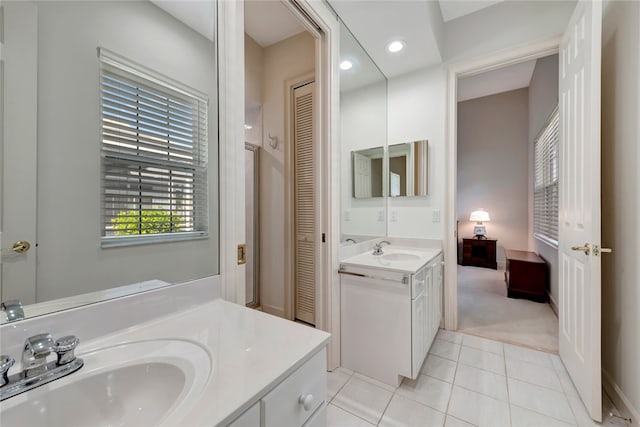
268	22
422	24
455	9
198	14
497	81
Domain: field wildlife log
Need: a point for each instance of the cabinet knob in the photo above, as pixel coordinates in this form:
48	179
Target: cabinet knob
306	400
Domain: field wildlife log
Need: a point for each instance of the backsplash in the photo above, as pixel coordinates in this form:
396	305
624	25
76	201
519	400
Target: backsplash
95	320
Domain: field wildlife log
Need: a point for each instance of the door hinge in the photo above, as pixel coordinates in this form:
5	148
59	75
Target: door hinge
324	239
242	254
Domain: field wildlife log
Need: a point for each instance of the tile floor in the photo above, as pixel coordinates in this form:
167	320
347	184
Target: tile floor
465	381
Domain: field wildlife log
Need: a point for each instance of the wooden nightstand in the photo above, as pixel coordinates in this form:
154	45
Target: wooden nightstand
479	252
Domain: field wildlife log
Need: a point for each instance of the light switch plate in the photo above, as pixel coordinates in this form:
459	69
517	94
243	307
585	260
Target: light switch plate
435	215
381	216
394	216
347	215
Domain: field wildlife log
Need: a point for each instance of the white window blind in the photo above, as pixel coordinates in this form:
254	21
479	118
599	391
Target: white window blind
154	155
545	213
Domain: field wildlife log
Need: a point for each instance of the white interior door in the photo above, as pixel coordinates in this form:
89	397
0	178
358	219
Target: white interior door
361	176
19	146
579	204
306	206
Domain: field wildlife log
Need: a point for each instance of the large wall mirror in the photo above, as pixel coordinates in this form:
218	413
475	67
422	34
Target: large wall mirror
363	118
91	222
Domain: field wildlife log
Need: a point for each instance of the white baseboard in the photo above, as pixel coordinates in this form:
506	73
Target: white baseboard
276	311
621	402
553	304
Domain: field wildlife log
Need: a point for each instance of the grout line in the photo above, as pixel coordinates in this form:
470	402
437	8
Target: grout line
351	413
506	379
341	387
453	382
549	416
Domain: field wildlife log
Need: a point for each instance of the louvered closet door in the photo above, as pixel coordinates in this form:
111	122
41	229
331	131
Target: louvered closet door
305	205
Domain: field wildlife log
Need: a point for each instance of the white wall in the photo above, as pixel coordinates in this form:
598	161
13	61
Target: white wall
283	61
253	64
543	98
70	259
417	110
493	161
363	124
621	198
504	25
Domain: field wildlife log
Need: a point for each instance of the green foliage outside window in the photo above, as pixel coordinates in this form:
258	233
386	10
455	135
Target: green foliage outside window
146	222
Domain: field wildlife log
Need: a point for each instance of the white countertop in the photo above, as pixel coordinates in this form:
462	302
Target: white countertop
411	266
250	352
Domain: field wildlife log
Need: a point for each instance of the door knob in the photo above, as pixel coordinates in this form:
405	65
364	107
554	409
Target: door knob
19	247
584	248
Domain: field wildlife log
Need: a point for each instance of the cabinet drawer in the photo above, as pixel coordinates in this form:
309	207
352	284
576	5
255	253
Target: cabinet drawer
319	418
249	418
283	406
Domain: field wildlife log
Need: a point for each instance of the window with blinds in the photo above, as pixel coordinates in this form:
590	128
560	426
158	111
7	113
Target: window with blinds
545	199
154	156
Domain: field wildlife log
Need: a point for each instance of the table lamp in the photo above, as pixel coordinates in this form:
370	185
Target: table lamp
480	215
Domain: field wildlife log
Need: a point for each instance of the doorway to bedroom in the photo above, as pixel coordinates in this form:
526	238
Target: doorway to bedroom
507	186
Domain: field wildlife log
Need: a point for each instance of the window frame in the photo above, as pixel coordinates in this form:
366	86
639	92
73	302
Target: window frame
546	182
198	165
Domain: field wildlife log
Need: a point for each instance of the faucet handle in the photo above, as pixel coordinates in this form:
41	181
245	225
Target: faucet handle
40	345
6	362
65	348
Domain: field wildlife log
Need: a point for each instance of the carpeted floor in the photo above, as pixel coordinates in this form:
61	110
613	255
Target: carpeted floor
485	310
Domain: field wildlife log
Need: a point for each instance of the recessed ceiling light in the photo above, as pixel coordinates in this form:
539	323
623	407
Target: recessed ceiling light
395	46
346	65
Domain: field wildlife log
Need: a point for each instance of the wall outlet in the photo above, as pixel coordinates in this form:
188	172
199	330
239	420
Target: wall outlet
394	216
435	215
347	215
381	216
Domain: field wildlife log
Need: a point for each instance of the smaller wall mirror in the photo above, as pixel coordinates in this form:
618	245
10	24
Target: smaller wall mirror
409	169
368	176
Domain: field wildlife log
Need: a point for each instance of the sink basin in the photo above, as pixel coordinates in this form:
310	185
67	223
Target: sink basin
400	256
144	383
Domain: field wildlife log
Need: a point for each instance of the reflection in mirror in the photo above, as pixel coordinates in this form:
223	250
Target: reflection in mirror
409	169
58	116
368	175
363	136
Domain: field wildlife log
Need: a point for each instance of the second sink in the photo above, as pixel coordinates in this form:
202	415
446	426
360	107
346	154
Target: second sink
400	256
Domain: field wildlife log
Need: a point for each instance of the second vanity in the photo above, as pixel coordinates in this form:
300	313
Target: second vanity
391	307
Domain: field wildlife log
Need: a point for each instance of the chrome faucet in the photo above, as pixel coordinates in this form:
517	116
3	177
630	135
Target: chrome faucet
13	309
34	354
377	248
36	370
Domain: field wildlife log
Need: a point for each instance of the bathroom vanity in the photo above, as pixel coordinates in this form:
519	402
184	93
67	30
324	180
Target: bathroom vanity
179	355
391	307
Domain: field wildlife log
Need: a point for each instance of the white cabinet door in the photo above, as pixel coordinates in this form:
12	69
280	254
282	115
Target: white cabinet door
418	333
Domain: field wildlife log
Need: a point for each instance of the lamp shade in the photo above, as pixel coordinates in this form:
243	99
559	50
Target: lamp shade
480	215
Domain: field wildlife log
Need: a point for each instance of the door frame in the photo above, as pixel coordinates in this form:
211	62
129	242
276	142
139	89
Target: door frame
455	71
231	131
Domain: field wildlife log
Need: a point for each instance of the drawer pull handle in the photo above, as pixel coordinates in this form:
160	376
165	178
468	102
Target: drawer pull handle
306	400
